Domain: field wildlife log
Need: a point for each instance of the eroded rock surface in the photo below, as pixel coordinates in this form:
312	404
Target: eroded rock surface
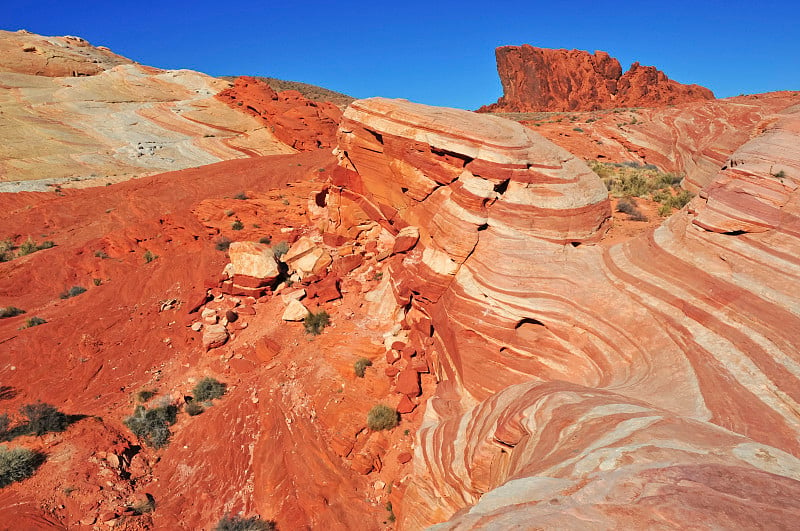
570	376
542	79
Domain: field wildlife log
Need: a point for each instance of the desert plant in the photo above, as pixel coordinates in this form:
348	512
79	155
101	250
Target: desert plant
149	256
241	195
208	389
780	175
314	323
47	244
194	408
360	366
577	129
44	418
382	417
237	225
27	247
10	311
30	322
5	424
100	254
17	464
280	249
266	240
74	291
222	243
144	395
152	425
240	523
229	213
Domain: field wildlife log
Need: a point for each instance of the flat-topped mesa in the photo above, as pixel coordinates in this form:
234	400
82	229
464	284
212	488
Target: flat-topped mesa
542	79
454	173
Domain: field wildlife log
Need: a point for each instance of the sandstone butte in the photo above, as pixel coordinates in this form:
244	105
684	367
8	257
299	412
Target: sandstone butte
108	119
545	379
542	79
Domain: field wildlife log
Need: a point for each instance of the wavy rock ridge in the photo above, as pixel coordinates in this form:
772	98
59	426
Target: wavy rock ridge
541	79
649	384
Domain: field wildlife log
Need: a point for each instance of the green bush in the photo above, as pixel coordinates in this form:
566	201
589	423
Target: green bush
149	256
382	417
266	240
222	243
144	395
208	389
10	311
280	249
314	323
152	425
17	464
74	291
239	523
241	195
43	418
237	225
30	322
5	424
360	366
27	247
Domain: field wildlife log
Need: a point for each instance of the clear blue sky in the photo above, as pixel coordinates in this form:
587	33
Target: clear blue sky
437	52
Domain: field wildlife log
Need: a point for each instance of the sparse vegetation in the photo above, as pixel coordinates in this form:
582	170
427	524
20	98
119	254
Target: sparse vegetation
382	417
151	426
241	196
627	205
266	240
30	322
208	389
780	175
101	254
222	243
194	408
360	366
577	129
27	247
631	179
240	523
10	311
74	291
17	464
43	418
280	249
237	225
314	323
149	256
144	395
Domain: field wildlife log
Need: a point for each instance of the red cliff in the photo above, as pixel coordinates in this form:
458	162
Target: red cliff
541	79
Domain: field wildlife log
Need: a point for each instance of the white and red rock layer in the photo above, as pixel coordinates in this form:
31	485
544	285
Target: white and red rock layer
542	79
648	384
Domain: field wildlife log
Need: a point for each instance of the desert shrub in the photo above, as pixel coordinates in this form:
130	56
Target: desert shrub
627	206
780	175
237	225
30	322
149	256
280	249
47	244
314	323
10	311
239	523
241	195
17	464
27	247
382	417
229	213
151	426
74	291
144	395
5	425
577	129
222	243
360	366
194	408
266	240
44	418
208	389
6	245
100	254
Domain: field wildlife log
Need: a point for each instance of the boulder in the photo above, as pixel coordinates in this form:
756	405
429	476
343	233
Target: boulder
406	239
295	311
214	336
253	264
306	258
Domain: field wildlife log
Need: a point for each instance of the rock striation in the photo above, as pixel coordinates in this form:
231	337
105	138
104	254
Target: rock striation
542	79
294	119
645	384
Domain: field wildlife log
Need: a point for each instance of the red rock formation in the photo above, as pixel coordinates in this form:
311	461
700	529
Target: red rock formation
570	376
541	79
294	119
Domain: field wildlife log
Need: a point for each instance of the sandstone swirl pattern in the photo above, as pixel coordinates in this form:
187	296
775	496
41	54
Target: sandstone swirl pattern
654	383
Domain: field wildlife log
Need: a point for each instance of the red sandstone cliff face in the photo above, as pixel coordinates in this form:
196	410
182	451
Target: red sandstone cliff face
540	79
640	385
295	120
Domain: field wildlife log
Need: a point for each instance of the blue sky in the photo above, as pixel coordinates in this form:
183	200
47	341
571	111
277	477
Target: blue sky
435	52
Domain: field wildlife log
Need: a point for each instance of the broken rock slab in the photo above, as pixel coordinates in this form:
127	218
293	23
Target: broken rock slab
295	311
214	336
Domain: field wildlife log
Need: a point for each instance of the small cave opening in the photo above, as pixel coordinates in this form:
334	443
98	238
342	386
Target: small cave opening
483	227
528	320
321	199
502	186
574	244
735	232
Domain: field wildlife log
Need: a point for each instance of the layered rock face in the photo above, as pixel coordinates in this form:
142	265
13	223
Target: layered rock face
27	53
648	384
541	79
294	119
